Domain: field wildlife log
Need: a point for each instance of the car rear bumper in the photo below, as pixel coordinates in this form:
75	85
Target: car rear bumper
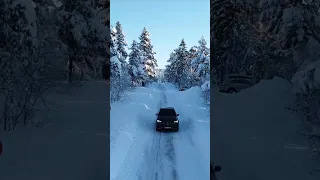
170	126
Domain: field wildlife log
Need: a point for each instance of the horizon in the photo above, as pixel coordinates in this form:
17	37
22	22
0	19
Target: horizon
166	29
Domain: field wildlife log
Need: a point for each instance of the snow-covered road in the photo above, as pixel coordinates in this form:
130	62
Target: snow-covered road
138	152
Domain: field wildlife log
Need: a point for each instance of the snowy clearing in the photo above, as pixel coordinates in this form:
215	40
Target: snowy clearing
254	137
138	152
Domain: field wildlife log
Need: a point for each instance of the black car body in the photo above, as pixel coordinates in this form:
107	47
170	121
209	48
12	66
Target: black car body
167	119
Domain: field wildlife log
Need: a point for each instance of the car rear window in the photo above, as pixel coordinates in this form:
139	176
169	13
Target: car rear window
167	112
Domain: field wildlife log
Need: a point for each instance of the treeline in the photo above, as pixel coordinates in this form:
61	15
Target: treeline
190	67
135	65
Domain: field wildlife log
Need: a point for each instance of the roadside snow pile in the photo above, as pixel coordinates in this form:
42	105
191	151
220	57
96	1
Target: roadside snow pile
192	94
253	126
169	86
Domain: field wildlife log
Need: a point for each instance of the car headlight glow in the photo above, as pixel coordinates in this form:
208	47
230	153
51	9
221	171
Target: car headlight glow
158	121
176	121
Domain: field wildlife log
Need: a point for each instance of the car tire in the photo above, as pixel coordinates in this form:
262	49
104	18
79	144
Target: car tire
231	90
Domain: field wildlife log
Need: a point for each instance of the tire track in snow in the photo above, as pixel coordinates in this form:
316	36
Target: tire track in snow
170	150
152	166
159	157
153	158
170	154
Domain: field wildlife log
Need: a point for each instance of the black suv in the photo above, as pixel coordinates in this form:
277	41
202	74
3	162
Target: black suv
167	119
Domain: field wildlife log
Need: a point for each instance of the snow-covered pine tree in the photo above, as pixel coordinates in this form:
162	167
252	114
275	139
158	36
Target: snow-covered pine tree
115	64
170	71
121	44
147	53
113	38
136	68
120	77
201	64
181	64
192	76
203	46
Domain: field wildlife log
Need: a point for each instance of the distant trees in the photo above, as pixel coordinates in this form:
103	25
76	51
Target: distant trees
191	67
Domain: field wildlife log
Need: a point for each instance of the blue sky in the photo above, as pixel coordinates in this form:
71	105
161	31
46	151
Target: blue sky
168	21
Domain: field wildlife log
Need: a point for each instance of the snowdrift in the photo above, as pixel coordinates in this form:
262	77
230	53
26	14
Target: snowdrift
251	131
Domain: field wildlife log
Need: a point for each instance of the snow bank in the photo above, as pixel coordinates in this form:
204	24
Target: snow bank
169	86
193	95
253	126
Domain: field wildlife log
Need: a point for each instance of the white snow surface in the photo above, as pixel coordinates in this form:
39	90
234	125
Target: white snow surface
116	61
254	137
139	152
73	145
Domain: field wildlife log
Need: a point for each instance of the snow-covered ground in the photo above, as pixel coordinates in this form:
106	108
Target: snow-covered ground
138	152
74	146
254	137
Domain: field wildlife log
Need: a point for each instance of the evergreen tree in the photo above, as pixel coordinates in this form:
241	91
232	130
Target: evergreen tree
201	64
147	53
203	46
170	71
113	38
181	63
136	68
178	70
192	77
121	43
